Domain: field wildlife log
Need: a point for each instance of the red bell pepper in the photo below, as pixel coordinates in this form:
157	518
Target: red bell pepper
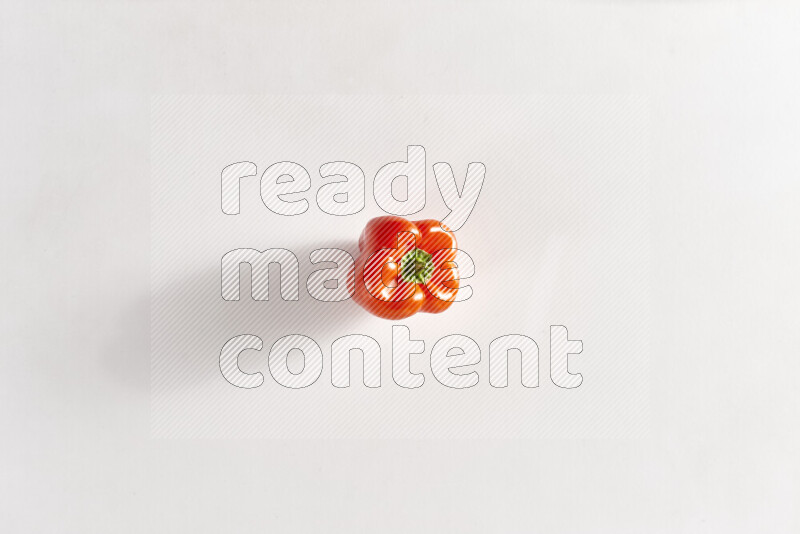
405	267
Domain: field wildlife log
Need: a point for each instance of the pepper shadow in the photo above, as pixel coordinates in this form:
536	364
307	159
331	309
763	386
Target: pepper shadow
174	334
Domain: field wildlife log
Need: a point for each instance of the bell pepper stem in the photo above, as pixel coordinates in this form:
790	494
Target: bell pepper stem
416	266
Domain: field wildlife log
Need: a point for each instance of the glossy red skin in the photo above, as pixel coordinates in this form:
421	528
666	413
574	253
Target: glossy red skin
400	299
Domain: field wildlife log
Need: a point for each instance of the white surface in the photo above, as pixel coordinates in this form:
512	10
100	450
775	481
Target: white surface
74	401
560	235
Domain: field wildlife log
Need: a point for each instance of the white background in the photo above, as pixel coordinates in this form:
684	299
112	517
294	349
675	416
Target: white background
76	83
559	235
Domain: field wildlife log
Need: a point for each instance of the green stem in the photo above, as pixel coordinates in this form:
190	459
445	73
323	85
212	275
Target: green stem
416	266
